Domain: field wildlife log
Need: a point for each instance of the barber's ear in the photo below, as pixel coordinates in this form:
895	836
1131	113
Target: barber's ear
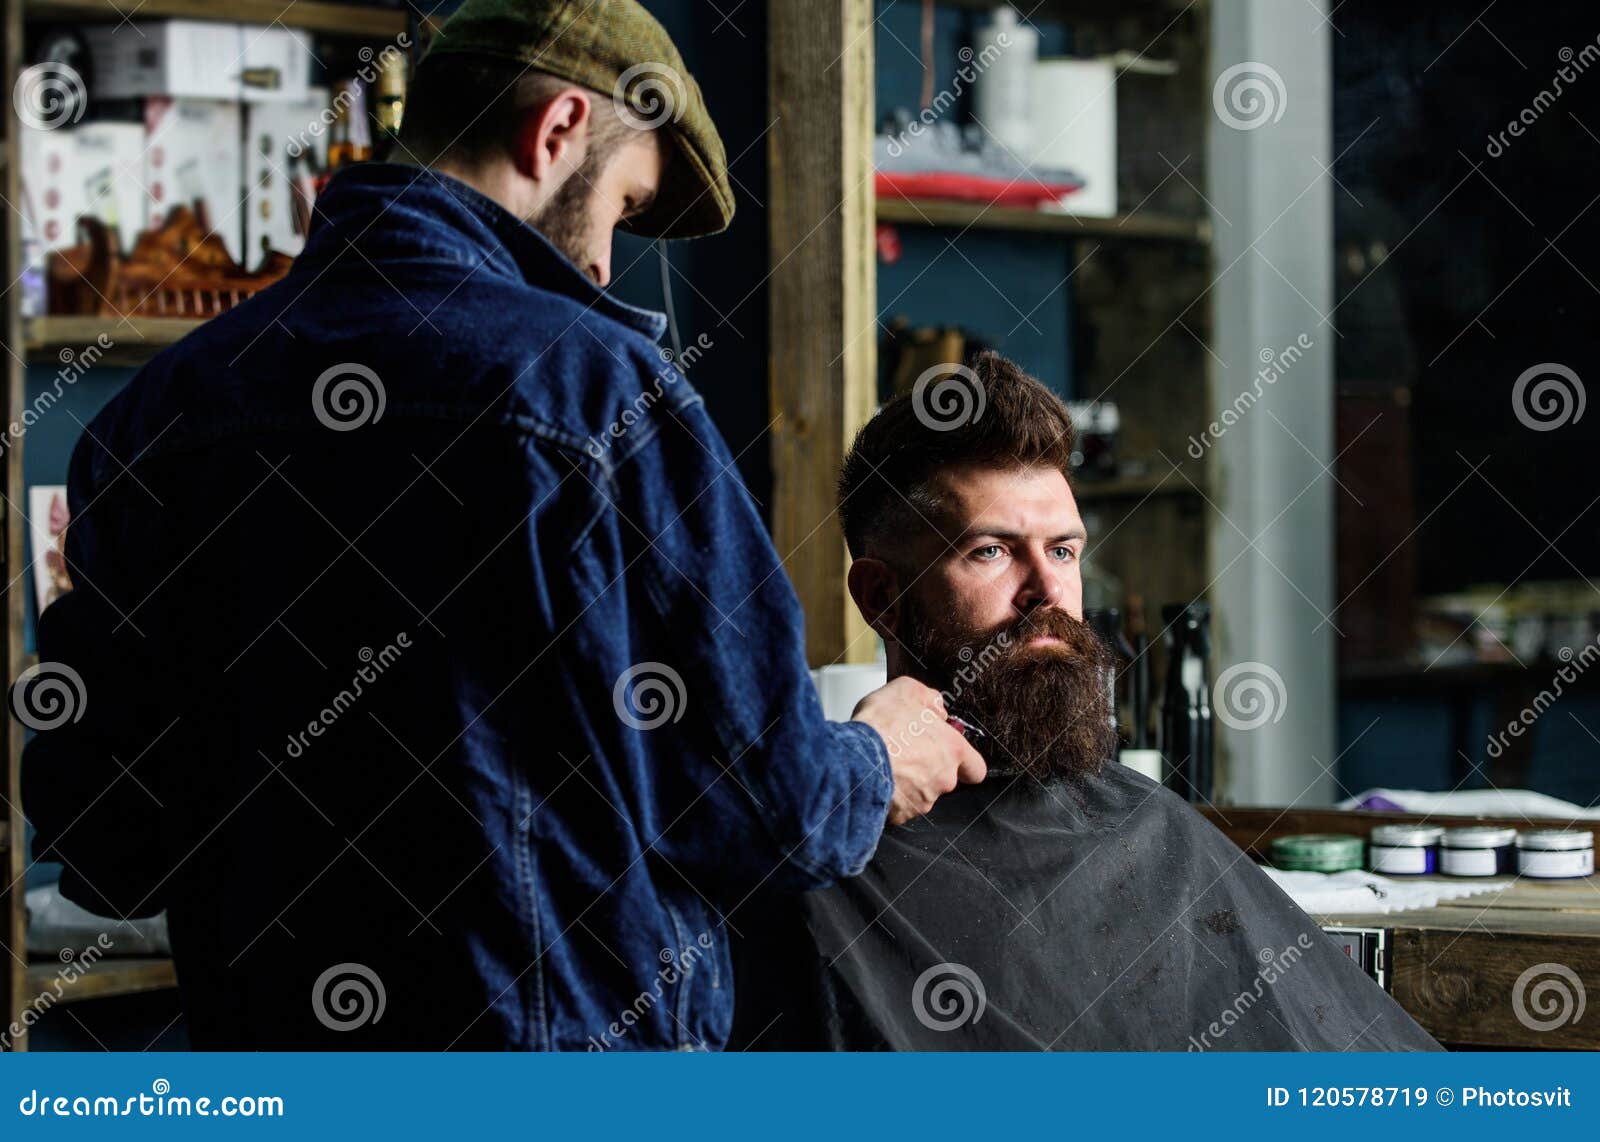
876	590
554	137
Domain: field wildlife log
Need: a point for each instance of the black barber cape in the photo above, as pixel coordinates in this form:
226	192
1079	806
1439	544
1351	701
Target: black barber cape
1100	913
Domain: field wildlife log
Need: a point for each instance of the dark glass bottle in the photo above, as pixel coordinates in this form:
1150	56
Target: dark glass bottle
1107	623
1186	733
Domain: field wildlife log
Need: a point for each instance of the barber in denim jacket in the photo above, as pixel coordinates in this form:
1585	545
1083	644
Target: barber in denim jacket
427	662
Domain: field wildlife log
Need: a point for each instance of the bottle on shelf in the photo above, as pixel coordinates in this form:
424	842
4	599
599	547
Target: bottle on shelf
1186	729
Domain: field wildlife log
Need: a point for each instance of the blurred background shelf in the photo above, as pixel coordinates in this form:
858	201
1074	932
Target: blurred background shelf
1136	487
134	340
1416	676
964	215
104	979
333	19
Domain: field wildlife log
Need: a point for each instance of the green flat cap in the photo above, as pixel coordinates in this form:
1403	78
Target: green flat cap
617	48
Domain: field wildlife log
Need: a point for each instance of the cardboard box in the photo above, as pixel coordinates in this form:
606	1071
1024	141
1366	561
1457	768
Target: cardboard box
194	154
94	168
198	59
275	133
275	65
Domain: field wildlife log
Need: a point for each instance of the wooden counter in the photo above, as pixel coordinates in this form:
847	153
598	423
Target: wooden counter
1455	967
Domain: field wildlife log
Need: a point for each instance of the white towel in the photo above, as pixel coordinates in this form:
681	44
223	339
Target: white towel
1340	893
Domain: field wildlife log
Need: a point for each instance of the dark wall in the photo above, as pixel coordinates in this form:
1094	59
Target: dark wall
1492	267
719	283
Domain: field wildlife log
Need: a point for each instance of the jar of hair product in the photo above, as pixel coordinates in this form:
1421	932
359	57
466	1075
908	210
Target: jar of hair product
1404	850
1317	852
1555	854
1478	850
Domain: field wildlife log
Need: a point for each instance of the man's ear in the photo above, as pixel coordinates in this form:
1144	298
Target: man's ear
876	590
554	137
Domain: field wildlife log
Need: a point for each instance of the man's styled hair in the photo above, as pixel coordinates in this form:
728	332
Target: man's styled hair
1009	420
468	109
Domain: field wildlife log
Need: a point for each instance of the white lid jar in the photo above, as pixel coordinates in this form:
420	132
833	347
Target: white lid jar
1555	854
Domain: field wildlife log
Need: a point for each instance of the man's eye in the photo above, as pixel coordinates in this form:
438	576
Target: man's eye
1065	554
990	551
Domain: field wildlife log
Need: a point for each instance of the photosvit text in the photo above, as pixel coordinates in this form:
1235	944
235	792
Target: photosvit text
1413	1096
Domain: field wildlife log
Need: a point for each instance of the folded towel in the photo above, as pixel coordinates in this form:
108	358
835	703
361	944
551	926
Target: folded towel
1340	893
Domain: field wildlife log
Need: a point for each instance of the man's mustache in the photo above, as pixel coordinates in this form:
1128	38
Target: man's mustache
1052	622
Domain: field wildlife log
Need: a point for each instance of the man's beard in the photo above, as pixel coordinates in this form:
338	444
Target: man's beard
1044	709
564	220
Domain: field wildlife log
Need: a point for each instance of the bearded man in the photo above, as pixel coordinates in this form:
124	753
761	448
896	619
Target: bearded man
1067	902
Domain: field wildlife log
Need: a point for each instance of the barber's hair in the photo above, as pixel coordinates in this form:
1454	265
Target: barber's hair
1007	420
468	109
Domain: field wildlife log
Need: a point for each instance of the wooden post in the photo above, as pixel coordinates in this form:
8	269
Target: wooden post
13	838
823	296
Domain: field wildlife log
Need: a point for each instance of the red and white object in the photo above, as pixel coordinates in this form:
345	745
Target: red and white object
93	168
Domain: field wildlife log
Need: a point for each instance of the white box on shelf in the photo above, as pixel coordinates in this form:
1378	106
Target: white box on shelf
52	197
111	161
274	66
197	59
193	154
94	168
274	133
1075	127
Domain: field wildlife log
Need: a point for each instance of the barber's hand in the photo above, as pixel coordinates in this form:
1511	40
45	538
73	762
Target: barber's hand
928	757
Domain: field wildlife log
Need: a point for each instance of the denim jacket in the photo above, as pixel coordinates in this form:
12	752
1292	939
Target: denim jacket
430	664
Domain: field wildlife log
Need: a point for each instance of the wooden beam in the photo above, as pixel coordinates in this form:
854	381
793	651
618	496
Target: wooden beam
823	296
104	979
13	914
313	15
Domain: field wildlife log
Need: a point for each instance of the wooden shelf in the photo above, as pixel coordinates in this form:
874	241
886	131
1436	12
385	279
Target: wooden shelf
332	19
134	340
963	215
104	979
